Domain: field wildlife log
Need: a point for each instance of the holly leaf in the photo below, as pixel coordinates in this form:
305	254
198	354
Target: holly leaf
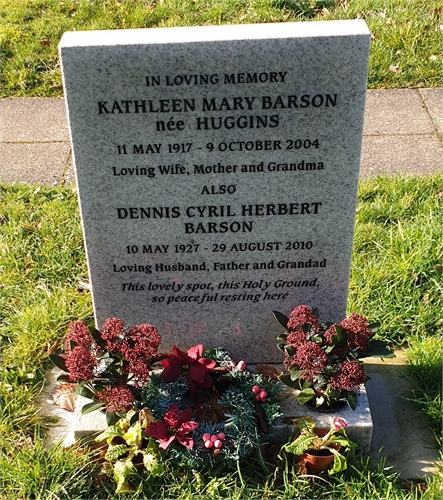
281	318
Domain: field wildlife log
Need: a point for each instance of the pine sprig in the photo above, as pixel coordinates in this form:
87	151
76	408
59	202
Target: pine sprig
158	395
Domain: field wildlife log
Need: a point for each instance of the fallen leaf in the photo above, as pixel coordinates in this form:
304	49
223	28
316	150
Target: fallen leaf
64	396
300	467
84	285
45	42
269	371
395	68
145	418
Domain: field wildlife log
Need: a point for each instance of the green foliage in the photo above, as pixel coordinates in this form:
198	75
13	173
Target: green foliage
159	395
335	441
395	277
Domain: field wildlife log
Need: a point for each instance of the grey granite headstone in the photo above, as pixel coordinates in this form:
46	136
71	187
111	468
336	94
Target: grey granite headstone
217	171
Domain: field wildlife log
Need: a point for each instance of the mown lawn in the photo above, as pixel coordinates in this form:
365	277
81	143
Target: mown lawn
396	279
405	52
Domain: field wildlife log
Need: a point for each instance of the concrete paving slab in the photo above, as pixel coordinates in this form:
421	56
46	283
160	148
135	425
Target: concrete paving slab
396	112
33	119
400	434
392	154
433	99
43	163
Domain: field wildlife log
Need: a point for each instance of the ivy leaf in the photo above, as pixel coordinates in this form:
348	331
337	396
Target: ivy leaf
90	407
305	395
116	451
281	318
58	361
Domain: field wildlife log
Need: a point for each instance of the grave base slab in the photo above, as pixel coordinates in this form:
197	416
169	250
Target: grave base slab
359	422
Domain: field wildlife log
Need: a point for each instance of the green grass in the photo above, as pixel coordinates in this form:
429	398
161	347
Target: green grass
395	280
406	46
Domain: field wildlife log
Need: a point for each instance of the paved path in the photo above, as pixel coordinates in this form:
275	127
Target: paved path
403	133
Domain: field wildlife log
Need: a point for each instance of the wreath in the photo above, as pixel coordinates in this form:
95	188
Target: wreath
196	407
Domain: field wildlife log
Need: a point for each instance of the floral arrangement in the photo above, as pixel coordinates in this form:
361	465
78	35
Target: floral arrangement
322	358
196	407
335	442
109	366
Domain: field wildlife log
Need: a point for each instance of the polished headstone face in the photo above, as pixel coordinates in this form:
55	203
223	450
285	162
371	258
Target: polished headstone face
217	170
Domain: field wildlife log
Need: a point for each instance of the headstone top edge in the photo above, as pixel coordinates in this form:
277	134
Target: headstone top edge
189	34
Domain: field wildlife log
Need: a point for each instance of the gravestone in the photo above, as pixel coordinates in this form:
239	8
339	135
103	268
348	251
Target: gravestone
217	170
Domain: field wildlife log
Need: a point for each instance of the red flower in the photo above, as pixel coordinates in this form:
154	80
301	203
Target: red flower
80	364
79	334
191	365
358	332
301	316
117	399
349	378
311	357
112	332
174	426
